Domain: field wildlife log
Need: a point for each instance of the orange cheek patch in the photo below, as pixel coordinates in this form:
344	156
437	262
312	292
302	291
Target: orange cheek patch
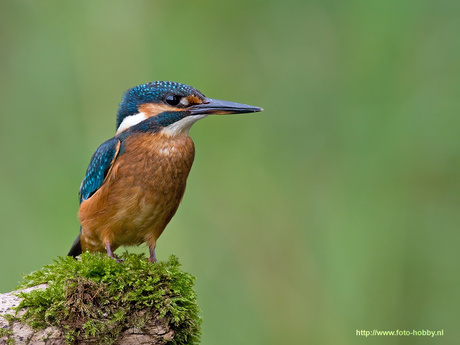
152	109
192	99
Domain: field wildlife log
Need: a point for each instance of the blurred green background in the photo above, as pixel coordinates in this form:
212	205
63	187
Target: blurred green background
334	210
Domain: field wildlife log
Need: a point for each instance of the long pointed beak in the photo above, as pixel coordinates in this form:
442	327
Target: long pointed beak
216	106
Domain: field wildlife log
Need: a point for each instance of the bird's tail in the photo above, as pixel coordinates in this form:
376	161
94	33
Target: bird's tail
76	248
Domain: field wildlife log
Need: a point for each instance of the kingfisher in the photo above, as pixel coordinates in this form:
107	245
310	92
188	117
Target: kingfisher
135	181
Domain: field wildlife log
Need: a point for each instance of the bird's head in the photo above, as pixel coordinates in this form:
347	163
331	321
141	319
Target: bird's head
174	106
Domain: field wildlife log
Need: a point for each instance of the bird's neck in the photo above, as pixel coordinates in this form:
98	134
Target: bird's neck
161	145
182	126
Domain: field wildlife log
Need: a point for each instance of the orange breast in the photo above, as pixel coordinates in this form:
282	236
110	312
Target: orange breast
141	193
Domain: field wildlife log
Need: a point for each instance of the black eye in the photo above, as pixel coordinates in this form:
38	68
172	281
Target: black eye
173	99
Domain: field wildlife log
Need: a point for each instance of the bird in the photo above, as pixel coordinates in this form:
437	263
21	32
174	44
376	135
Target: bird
135	181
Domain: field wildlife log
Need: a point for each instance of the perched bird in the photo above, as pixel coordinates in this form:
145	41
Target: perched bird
136	180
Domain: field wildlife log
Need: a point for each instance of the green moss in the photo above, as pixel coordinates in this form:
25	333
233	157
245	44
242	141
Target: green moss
6	332
97	296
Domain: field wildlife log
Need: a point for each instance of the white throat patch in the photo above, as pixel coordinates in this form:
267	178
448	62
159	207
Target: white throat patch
182	126
130	121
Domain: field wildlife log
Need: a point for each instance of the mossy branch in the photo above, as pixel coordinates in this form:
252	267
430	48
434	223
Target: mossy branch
96	300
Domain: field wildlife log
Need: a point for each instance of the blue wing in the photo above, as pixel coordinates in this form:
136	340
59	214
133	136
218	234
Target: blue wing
99	167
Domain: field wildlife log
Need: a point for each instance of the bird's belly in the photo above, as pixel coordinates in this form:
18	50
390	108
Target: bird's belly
141	193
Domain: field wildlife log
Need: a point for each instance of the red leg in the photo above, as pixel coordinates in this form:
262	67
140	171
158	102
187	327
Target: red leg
152	258
110	253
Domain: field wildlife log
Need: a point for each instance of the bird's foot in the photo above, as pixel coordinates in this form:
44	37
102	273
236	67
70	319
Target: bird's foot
110	254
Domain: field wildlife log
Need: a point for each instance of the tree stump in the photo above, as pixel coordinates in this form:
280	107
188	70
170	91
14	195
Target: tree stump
157	333
74	309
